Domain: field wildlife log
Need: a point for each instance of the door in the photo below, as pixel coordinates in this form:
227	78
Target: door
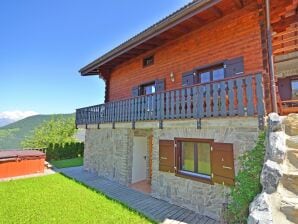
139	159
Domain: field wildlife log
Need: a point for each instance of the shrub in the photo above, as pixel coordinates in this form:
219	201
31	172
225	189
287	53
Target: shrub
65	151
247	184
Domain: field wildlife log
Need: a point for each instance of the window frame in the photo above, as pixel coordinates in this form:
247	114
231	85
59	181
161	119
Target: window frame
178	164
210	69
147	84
145	65
295	79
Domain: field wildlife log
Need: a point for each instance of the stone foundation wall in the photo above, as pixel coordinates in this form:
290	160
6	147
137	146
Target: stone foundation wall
204	198
108	152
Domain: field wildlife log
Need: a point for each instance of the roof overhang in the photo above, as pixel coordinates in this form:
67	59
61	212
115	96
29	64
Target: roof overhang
146	38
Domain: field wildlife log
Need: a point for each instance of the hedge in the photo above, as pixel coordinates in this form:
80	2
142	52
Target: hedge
65	151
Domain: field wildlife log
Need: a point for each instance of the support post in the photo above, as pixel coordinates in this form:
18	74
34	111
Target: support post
199	123
270	59
133	125
160	124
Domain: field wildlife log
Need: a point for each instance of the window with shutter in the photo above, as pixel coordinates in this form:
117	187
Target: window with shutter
205	160
234	67
222	160
188	79
166	156
159	85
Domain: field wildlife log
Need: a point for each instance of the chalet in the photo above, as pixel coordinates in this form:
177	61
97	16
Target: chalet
187	96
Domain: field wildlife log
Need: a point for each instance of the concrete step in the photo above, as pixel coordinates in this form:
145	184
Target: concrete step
291	124
289	206
290	181
292	157
292	142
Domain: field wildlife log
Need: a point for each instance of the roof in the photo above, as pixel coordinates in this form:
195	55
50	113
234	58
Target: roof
166	23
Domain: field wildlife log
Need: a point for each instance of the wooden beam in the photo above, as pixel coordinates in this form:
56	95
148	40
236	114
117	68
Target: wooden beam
284	23
239	3
197	20
166	36
181	29
156	41
144	47
217	11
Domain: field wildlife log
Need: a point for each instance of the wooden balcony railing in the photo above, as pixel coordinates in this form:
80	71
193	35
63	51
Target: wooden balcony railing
239	96
286	41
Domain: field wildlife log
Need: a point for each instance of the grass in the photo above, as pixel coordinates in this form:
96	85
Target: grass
57	199
67	162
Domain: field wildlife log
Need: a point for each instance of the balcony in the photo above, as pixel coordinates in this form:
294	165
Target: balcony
238	96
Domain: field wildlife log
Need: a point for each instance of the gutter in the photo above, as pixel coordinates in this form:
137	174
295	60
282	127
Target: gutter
270	59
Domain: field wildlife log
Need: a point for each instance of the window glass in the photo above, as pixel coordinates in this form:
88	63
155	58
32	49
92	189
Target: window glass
195	158
205	77
149	89
218	74
294	85
187	155
204	158
148	61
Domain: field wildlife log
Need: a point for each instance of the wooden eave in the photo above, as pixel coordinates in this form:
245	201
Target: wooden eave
192	16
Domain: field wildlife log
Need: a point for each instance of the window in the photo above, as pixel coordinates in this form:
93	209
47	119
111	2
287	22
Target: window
211	74
148	61
194	158
198	159
147	89
294	85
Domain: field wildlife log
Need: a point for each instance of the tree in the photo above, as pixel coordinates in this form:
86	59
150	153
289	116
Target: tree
59	130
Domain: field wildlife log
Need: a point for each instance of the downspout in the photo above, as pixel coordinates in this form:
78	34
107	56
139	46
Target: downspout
270	59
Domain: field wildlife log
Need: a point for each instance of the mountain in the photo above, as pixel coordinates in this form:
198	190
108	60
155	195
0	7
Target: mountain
5	121
12	134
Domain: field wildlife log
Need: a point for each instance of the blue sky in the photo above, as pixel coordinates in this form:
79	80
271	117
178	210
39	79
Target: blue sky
43	44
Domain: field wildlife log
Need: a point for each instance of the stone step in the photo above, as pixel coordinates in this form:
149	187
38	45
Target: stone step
290	181
289	206
292	156
292	142
291	124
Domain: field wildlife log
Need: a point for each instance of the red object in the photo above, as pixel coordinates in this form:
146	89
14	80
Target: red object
18	163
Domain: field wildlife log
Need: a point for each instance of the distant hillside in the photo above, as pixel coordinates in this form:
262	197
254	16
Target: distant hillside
11	135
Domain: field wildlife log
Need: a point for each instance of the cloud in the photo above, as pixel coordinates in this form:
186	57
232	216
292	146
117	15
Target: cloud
16	115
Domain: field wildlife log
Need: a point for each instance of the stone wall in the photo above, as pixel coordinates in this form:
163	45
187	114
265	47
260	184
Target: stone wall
204	198
108	152
278	201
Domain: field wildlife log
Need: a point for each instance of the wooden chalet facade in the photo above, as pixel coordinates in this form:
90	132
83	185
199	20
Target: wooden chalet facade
193	90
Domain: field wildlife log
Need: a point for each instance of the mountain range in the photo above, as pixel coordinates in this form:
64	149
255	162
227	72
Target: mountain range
11	135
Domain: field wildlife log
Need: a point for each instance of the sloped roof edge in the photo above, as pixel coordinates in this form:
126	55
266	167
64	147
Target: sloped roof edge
174	18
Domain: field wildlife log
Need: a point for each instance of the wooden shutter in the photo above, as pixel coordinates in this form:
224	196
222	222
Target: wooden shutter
188	79
234	67
135	91
159	85
166	156
222	162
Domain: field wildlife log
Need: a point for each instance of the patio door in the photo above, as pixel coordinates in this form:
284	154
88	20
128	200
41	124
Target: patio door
139	159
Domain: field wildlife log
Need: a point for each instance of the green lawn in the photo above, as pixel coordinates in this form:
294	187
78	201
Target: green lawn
57	199
67	162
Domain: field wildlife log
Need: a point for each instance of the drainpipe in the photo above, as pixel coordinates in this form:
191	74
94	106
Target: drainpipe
270	59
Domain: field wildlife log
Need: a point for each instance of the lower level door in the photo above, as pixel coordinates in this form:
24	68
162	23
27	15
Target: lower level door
139	159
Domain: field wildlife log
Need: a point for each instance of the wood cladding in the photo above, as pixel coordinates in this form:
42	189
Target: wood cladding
231	36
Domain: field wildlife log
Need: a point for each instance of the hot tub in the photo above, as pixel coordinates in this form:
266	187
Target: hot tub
21	162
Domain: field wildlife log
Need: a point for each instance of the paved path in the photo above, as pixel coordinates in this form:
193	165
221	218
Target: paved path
158	210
